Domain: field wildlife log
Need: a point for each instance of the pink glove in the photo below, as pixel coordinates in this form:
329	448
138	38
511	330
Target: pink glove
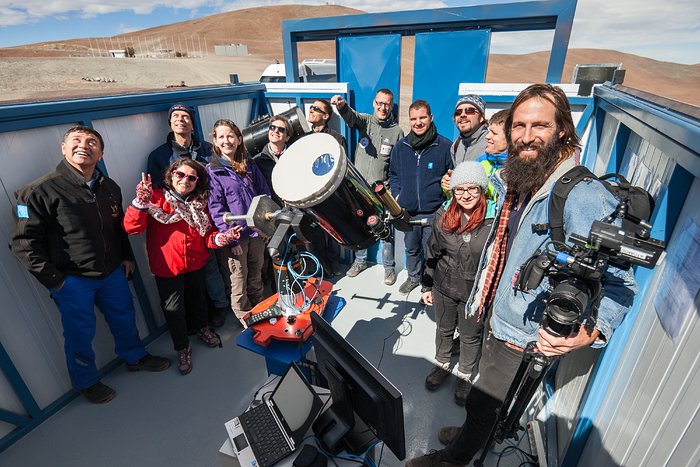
224	238
144	191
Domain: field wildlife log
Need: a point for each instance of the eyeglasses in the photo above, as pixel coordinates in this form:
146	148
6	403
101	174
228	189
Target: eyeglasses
468	111
384	105
472	190
318	109
279	129
180	175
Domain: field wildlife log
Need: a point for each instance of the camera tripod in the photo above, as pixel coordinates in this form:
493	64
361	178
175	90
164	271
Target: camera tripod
530	373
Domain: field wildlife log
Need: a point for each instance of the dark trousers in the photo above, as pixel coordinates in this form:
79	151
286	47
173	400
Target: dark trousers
415	241
183	299
450	313
497	368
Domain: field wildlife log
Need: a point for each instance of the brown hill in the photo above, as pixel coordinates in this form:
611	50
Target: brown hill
260	30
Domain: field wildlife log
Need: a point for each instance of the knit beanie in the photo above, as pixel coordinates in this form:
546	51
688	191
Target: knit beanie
469	172
474	100
181	107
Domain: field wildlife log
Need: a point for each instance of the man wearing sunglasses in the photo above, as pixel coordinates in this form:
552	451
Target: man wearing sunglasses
69	236
320	113
378	133
182	142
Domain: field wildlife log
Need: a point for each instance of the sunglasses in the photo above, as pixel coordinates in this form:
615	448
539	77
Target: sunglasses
318	109
468	111
472	190
278	129
180	175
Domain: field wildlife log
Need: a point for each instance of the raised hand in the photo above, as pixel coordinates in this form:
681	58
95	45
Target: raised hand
224	238
338	101
144	190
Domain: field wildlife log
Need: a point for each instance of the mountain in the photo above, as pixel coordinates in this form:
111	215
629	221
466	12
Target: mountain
260	30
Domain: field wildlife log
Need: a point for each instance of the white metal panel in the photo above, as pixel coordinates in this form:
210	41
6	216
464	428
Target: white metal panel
237	111
606	143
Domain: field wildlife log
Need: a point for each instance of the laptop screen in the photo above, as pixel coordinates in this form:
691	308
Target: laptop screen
296	403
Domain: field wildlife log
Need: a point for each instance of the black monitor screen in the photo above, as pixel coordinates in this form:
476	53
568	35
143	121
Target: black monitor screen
359	389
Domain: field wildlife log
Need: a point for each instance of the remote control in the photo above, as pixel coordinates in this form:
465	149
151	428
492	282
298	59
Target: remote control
273	312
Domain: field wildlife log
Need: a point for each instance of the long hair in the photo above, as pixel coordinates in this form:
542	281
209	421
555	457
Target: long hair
239	163
201	188
555	96
452	220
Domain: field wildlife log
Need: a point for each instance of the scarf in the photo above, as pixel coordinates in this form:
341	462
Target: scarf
419	143
193	211
497	260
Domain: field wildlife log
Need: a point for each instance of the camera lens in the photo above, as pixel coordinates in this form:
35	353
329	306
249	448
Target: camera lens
566	306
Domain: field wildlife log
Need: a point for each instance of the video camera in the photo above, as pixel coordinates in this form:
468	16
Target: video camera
576	272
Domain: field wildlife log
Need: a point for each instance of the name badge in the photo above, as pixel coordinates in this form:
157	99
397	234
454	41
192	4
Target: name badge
364	142
430	165
22	211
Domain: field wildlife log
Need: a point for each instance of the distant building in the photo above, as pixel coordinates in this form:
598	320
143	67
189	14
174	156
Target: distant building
231	50
117	53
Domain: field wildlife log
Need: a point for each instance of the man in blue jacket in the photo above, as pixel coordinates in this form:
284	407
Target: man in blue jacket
542	146
417	163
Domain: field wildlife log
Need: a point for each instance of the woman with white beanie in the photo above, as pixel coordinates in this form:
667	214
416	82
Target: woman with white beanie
454	248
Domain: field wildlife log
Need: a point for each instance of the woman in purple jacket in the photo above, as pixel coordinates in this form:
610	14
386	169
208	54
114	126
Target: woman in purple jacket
233	182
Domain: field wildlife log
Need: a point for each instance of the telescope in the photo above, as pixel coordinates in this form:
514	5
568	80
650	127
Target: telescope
255	135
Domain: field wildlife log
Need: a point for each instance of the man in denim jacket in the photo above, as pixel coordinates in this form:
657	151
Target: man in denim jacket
542	143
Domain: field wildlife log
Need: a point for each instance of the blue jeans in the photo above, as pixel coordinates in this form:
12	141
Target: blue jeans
387	255
216	288
415	241
76	302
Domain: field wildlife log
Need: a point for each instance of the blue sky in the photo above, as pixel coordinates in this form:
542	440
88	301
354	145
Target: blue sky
667	31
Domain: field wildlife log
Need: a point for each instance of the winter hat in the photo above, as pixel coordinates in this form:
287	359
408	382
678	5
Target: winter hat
474	100
181	107
469	172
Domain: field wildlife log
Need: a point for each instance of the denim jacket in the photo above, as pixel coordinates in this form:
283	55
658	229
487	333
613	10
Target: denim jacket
516	315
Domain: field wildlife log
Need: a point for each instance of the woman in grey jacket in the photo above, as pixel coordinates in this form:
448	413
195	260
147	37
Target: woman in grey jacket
459	234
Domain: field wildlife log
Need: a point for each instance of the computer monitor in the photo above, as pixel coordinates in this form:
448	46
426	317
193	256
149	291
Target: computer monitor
366	407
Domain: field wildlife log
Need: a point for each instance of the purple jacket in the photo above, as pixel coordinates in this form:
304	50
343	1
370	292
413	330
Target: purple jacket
231	192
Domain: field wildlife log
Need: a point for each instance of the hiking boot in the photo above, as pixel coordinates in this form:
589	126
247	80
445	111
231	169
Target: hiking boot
209	337
389	277
184	360
407	286
99	393
218	318
447	434
355	269
436	377
432	459
149	363
455	347
462	391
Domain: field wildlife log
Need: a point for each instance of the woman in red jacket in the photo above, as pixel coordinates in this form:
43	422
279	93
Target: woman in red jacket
179	232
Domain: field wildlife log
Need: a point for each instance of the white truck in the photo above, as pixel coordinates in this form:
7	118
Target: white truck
310	71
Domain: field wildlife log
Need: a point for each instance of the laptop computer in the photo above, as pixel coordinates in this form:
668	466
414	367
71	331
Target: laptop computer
272	430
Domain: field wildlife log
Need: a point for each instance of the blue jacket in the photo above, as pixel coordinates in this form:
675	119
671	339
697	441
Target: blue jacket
165	154
516	315
414	177
231	192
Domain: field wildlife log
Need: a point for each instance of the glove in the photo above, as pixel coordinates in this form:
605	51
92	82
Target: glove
144	191
224	238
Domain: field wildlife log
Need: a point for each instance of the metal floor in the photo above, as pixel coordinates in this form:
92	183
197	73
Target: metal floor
165	419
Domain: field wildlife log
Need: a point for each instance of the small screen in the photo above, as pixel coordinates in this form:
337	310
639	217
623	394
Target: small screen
296	403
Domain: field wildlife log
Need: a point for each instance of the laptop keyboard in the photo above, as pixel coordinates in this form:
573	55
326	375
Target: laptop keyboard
265	437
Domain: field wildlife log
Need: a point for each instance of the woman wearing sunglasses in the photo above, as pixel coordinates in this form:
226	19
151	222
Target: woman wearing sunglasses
460	230
233	183
279	133
179	232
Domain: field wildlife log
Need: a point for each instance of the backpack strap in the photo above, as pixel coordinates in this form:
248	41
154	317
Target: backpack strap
557	199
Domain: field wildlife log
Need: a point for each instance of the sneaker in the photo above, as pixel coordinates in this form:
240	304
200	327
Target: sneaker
99	393
209	337
462	389
432	459
355	269
218	318
389	277
149	363
407	286
447	434
184	360
436	377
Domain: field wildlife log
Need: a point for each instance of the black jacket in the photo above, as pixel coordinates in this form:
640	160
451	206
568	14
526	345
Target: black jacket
165	154
451	262
65	228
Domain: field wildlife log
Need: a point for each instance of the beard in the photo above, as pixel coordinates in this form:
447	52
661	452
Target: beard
528	175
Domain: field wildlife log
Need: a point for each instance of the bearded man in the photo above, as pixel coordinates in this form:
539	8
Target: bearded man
542	146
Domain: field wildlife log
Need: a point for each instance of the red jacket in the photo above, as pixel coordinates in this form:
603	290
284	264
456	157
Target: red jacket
173	249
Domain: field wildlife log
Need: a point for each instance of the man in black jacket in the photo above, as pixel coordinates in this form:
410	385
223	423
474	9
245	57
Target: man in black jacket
69	235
